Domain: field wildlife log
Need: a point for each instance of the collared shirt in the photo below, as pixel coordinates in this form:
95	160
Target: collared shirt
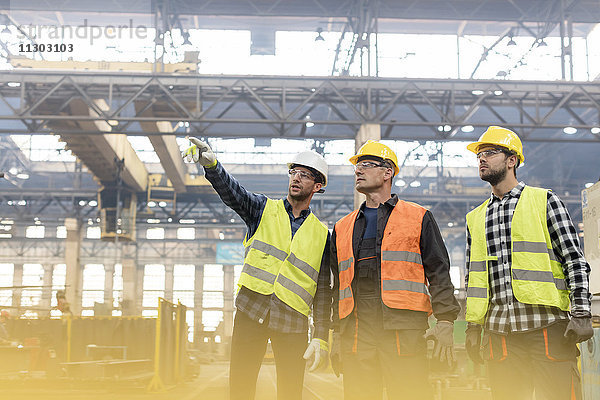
268	308
505	313
436	265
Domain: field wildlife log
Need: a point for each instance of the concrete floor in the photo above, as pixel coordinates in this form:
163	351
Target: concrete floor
211	384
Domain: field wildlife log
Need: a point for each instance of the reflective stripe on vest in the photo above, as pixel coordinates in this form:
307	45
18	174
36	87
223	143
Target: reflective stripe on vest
277	263
536	274
344	229
403	283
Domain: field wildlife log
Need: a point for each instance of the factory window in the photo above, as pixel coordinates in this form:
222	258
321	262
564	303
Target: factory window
212	296
61	232
183	284
183	291
93	286
154	285
155	233
189	320
213	277
186	233
59	276
150	313
212	293
6	280
93	232
211	319
455	277
212	299
35	231
33	275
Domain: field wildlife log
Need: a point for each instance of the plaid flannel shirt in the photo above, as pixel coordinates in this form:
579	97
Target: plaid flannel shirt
505	313
268	308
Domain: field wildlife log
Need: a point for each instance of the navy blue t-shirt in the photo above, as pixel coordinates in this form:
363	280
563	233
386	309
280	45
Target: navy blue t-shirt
371	225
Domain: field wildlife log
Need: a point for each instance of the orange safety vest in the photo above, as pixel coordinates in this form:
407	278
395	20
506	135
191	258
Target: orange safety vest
403	282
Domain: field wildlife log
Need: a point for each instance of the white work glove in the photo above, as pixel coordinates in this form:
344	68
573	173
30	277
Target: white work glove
443	336
317	350
201	153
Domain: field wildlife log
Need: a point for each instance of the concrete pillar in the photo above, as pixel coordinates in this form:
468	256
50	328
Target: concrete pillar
139	290
17	281
46	289
169	282
198	288
109	273
228	301
365	132
129	305
74	273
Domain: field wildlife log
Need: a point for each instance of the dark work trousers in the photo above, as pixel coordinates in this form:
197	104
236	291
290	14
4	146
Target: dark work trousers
374	358
248	346
542	361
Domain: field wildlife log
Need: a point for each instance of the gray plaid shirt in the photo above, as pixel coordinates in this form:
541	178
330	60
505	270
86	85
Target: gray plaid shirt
505	313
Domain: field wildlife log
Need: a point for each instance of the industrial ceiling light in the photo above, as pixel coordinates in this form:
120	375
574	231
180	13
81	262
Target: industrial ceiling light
511	42
467	128
319	37
569	130
595	130
477	92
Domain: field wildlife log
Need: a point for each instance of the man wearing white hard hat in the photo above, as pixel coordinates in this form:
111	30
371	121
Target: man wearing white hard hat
285	275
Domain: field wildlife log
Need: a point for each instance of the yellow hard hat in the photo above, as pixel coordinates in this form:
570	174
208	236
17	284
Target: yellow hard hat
498	136
374	148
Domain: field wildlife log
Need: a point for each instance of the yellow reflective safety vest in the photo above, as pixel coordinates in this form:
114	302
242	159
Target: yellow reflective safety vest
537	276
277	263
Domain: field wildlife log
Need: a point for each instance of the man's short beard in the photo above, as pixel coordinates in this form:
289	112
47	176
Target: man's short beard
495	177
299	197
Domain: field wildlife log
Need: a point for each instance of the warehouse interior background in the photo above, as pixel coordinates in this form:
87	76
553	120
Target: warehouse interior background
97	206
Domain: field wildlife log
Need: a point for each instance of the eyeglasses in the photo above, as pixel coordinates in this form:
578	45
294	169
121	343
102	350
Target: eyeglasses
302	174
368	165
488	153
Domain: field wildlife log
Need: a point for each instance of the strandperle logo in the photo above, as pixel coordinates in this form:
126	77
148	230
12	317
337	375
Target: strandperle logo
84	31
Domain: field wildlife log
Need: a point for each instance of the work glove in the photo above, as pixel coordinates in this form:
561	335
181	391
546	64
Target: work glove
443	336
317	350
579	329
473	343
335	355
201	153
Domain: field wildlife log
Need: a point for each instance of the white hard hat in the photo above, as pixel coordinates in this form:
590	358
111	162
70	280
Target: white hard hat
312	160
